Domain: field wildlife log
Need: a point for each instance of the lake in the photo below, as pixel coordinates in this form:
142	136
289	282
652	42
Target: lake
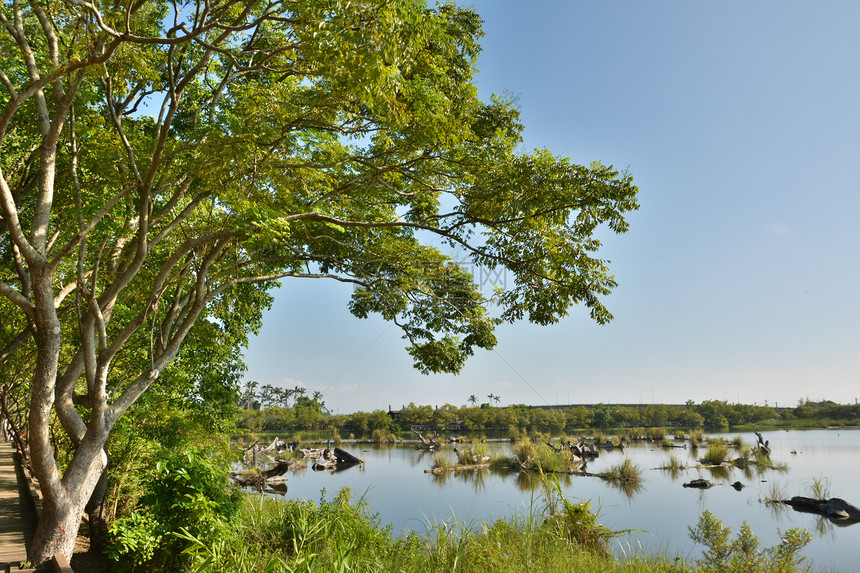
395	486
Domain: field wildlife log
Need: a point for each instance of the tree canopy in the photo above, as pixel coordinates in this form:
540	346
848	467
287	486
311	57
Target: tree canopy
164	164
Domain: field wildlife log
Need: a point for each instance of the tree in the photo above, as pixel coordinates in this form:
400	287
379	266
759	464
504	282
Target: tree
250	394
164	164
473	400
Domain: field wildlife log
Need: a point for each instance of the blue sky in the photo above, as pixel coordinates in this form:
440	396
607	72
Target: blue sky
740	276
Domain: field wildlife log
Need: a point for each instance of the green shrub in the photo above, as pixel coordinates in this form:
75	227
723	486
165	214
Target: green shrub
716	454
657	433
673	464
441	461
186	490
578	525
380	436
742	555
626	471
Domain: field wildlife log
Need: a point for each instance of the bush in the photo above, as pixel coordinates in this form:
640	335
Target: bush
742	555
186	490
716	454
579	526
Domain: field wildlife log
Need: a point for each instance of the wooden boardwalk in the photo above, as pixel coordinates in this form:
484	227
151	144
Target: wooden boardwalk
15	517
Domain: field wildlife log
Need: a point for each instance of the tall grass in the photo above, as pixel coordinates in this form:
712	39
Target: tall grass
716	454
820	488
441	461
673	464
626	471
380	436
697	437
657	433
341	535
474	454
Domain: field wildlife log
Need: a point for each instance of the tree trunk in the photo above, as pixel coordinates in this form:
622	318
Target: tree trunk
56	532
64	503
95	509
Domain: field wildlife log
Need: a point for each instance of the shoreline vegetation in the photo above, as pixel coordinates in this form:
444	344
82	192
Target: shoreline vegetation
654	421
249	532
552	534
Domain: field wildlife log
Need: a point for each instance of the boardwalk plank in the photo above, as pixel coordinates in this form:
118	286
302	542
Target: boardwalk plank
13	548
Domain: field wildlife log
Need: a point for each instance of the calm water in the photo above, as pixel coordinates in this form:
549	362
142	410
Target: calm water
396	487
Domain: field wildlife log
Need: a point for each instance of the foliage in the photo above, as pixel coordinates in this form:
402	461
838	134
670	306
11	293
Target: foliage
673	464
186	491
339	535
625	471
742	555
440	460
820	488
165	165
578	524
716	454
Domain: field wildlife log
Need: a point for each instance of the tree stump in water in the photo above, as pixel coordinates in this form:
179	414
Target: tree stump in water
836	509
700	484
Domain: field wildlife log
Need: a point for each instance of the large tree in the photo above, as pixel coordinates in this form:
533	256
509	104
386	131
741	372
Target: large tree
164	163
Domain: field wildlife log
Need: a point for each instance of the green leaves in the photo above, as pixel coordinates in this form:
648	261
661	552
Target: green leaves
222	146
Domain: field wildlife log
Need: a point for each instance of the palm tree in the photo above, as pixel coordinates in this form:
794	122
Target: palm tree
286	394
492	397
473	399
317	397
267	395
497	399
250	394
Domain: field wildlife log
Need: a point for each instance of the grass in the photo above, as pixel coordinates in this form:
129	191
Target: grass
626	471
383	436
657	433
535	457
552	534
474	454
440	460
820	488
717	454
776	493
673	464
761	459
697	437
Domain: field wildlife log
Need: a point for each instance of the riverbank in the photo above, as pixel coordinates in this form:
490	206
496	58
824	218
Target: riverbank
340	534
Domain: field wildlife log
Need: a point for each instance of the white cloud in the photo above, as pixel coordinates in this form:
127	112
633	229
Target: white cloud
506	385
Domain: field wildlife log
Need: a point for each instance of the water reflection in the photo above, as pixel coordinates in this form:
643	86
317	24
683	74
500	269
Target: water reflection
474	478
718	472
628	487
402	493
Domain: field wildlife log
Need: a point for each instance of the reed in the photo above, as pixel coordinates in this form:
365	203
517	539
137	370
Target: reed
657	434
820	488
340	535
697	437
626	471
441	461
673	464
717	454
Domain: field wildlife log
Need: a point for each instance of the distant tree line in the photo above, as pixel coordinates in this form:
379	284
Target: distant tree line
270	410
824	412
